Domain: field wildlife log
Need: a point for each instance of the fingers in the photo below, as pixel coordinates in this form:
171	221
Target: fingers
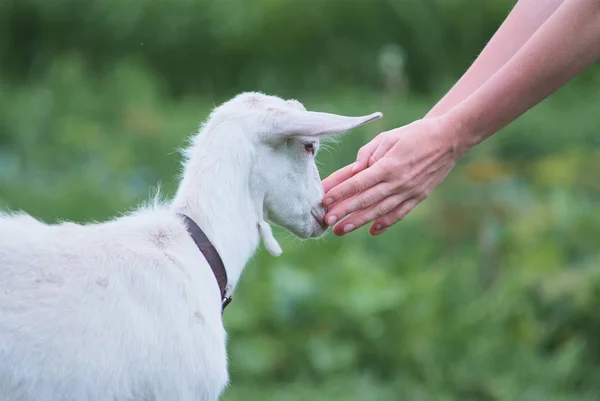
337	178
367	155
355	184
364	216
359	201
385	145
364	154
381	224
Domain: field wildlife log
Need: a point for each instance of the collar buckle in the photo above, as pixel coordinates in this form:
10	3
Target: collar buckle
226	301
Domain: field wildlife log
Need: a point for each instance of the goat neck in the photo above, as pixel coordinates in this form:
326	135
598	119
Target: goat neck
215	192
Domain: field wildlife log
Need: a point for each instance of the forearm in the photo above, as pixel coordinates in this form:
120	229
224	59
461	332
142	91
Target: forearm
567	43
522	22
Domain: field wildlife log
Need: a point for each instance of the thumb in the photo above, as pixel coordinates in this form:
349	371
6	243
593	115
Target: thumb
364	154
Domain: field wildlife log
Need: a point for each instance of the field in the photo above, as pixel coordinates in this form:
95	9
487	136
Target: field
488	290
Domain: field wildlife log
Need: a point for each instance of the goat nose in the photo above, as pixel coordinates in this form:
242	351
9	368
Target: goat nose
322	212
322	209
318	213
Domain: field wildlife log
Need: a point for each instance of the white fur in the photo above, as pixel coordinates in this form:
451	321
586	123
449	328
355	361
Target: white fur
129	309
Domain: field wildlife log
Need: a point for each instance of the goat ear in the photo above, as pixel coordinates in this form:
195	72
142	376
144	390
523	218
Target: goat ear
313	123
269	240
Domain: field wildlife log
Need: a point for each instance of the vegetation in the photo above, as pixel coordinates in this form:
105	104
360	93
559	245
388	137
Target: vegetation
489	290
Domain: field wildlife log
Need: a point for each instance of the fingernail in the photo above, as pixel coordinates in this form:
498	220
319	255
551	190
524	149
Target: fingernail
332	220
348	228
329	201
378	227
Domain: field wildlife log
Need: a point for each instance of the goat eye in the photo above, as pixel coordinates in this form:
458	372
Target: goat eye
309	147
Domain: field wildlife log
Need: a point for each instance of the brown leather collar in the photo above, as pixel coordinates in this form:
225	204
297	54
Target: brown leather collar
211	255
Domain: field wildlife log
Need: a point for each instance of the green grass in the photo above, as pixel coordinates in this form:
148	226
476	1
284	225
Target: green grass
487	291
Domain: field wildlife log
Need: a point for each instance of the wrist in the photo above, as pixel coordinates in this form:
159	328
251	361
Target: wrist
461	128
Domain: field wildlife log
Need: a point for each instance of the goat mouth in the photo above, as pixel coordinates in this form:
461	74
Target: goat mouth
321	221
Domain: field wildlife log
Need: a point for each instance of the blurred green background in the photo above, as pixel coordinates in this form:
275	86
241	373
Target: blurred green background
489	290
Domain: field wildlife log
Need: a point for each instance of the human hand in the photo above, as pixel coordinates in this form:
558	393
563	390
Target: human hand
391	175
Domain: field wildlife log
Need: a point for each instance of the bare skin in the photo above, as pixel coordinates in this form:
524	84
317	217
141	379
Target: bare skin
539	48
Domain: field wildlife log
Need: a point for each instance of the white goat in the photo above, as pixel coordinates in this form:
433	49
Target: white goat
129	309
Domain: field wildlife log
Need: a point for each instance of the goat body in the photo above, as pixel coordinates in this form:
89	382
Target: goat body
129	309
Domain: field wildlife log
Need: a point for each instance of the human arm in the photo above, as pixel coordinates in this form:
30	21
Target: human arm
411	161
567	43
522	22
